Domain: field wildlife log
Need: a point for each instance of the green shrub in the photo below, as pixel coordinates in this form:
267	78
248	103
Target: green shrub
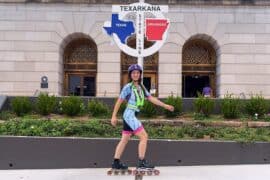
266	117
37	127
257	105
176	102
230	107
204	105
45	104
97	108
199	116
72	105
21	105
148	110
6	115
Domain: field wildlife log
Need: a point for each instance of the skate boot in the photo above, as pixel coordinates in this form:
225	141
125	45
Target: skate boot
119	168
117	164
143	164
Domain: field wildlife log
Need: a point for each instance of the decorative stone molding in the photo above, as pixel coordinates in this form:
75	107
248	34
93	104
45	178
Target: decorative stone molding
173	2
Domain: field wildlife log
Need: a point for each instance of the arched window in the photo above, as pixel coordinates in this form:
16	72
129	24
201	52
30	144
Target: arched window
198	67
80	67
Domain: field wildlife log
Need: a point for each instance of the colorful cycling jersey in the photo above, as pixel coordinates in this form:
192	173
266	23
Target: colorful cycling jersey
128	94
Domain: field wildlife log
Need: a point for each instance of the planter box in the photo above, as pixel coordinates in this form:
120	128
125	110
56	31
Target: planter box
58	153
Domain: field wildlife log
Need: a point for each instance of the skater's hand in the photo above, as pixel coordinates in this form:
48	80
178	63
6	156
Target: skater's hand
114	120
169	107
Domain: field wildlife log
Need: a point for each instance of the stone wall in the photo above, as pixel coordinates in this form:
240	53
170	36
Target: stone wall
32	37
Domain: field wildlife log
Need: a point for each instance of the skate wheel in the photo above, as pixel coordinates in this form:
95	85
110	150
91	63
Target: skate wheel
109	173
129	172
123	172
142	173
116	172
135	172
149	173
156	172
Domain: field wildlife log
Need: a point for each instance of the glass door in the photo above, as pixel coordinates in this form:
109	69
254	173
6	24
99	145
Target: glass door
81	85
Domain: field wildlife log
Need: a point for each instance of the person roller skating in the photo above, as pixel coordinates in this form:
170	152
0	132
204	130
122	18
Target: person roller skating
134	93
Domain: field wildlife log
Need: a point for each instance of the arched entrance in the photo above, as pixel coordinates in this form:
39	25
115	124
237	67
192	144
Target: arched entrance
80	67
199	67
150	76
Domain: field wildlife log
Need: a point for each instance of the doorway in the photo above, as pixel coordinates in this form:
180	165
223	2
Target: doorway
194	84
81	85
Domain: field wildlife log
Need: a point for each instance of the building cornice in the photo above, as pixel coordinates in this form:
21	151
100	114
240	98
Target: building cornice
170	2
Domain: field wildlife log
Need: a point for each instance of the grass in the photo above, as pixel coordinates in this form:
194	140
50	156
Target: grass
28	126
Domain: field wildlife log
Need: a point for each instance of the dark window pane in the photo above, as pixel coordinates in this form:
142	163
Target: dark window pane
74	85
89	86
193	84
147	83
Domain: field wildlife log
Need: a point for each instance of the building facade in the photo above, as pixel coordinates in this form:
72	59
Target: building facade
225	44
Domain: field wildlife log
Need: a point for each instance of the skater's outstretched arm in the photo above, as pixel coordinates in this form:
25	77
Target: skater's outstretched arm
115	111
156	101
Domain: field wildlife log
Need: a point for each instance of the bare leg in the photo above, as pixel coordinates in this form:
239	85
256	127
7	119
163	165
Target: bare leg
121	146
143	136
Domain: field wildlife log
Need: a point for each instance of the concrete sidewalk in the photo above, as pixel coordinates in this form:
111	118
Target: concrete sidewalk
232	172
